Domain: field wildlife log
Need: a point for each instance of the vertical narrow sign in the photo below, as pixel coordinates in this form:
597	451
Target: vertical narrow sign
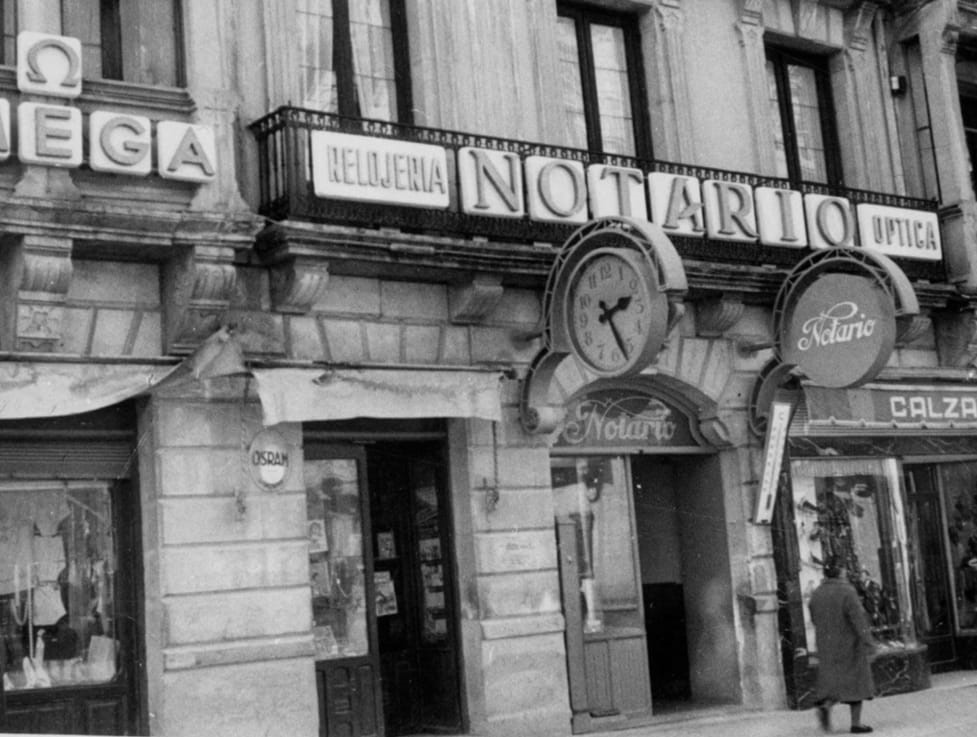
773	457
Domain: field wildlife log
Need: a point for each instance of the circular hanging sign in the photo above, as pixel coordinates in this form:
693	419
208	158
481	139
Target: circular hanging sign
268	459
839	329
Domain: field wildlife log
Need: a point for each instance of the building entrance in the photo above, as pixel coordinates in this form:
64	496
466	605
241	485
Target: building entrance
383	602
646	587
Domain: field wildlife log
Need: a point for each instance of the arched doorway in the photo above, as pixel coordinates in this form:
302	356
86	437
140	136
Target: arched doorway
644	558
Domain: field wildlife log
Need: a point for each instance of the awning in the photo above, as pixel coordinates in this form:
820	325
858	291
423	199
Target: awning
53	388
887	409
303	395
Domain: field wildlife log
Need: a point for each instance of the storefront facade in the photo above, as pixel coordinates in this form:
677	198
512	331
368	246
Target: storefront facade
298	406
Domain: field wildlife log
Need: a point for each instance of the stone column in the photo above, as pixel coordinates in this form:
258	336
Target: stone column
750	28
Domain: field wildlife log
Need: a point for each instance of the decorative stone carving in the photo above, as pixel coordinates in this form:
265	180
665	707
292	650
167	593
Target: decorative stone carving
956	337
858	25
911	329
297	283
716	316
198	284
473	302
36	273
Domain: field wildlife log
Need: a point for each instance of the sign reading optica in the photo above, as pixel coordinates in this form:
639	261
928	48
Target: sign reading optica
499	184
51	134
839	330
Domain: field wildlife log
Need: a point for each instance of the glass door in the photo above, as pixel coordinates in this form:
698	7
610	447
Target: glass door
927	556
344	621
959	487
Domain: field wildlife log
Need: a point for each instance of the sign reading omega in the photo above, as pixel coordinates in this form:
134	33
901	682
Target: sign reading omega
51	134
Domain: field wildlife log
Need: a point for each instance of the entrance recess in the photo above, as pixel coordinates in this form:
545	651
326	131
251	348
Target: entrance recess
381	570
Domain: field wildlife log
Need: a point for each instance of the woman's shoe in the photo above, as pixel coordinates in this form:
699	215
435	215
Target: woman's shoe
861	729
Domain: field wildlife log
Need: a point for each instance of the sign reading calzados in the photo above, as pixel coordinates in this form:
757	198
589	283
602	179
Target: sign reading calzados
120	143
500	184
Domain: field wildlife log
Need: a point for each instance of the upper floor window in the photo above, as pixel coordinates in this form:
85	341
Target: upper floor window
353	58
130	40
800	103
603	88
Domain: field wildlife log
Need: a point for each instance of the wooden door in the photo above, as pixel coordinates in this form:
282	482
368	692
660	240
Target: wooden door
606	645
341	564
413	568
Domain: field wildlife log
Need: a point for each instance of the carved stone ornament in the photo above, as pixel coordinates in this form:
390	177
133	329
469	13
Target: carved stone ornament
198	284
716	316
956	337
37	273
471	303
297	284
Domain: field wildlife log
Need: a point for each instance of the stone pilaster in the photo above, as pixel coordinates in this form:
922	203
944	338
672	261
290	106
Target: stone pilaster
663	35
750	28
36	272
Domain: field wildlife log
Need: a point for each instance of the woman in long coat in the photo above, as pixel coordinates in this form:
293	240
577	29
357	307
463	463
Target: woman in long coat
844	646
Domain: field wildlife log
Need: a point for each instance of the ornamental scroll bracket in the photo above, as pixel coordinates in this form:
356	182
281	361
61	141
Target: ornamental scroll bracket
538	414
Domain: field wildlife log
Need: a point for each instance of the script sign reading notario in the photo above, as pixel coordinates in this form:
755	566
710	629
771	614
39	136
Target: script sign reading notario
840	330
615	418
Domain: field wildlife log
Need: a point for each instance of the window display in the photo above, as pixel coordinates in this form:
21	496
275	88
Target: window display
960	501
336	565
852	509
57	585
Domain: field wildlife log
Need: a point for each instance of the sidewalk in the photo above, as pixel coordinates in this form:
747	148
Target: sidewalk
947	709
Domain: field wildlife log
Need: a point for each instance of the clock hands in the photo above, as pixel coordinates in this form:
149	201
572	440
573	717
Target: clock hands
607	315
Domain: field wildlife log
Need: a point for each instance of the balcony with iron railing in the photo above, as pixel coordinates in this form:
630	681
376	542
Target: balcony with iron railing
287	192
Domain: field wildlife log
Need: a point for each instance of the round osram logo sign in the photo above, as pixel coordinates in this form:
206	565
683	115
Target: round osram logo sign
269	459
839	330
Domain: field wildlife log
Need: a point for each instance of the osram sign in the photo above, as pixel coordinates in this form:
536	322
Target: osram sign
497	183
52	134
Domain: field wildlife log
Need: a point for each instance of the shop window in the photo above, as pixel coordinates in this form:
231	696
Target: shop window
129	40
959	483
603	91
354	58
852	509
336	562
59	611
800	104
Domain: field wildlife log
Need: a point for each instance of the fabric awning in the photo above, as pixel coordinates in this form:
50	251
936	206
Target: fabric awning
37	389
887	409
303	395
50	388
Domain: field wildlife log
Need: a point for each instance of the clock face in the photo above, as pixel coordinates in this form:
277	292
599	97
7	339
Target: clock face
614	313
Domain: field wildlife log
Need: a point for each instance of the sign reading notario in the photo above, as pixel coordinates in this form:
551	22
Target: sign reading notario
52	134
840	330
613	418
500	184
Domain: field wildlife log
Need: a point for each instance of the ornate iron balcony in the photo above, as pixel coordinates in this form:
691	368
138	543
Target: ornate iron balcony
285	155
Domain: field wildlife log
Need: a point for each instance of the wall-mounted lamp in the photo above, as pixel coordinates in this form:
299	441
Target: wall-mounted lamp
898	84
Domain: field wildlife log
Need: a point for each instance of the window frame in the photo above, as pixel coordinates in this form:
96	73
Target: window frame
123	51
583	17
782	58
347	103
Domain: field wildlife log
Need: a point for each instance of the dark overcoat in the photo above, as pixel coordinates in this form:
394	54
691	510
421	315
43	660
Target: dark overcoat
844	642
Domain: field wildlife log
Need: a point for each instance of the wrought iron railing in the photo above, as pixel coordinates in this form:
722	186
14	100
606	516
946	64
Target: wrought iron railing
284	145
